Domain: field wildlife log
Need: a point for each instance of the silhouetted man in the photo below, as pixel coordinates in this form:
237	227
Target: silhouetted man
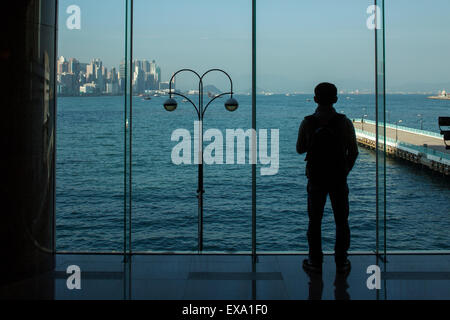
329	140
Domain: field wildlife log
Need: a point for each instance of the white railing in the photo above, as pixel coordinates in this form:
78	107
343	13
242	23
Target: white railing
430	153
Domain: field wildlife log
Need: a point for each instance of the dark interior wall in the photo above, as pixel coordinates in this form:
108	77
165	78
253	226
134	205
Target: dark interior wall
27	59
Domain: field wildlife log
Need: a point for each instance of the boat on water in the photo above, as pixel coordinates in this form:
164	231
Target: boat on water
213	95
147	98
443	95
184	100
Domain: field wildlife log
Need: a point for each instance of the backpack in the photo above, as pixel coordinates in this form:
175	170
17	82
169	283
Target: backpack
326	154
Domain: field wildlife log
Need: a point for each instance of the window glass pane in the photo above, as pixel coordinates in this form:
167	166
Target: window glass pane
199	35
90	126
379	129
299	45
418	68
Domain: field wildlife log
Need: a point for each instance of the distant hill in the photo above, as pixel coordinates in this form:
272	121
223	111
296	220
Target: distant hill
211	88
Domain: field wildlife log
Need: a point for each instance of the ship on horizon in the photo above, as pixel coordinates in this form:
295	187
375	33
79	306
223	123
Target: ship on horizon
443	95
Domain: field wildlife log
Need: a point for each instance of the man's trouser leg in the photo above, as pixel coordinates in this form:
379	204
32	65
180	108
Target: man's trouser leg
339	202
317	197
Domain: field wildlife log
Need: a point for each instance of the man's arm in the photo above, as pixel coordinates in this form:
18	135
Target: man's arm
352	149
302	139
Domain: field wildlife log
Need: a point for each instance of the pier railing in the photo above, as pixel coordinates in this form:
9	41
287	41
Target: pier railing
406	129
430	153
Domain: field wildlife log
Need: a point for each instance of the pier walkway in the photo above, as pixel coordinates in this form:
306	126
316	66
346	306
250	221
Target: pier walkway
418	146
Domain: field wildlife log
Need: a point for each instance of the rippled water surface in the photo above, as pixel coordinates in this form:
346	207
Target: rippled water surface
90	180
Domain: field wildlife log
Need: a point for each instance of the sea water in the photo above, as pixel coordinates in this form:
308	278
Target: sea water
92	156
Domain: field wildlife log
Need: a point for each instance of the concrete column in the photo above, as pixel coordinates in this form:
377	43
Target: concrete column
28	114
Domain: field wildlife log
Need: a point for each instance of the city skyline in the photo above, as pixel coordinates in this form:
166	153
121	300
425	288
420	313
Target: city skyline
75	78
137	89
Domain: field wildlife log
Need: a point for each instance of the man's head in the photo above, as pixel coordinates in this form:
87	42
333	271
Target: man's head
325	94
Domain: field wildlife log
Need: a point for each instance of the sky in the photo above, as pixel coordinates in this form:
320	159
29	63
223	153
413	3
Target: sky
299	43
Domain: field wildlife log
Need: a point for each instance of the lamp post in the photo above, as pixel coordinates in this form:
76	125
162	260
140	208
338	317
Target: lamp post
170	105
396	129
362	118
421	121
362	121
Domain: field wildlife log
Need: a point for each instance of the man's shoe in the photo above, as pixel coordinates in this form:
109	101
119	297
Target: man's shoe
343	267
310	266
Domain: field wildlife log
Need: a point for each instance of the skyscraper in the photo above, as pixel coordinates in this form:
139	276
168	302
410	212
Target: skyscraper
62	65
74	66
146	66
122	75
153	67
158	74
138	78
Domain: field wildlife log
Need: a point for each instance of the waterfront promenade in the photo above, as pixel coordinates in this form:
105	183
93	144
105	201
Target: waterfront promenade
417	146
